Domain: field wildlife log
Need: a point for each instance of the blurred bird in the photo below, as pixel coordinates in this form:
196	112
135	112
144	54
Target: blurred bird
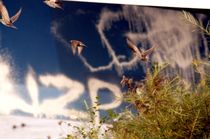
14	127
77	45
126	82
54	3
143	55
5	19
23	125
60	123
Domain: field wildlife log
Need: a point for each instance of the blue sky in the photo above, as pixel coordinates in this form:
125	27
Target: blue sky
34	44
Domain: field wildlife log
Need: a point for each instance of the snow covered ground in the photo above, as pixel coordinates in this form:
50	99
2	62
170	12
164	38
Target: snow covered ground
34	128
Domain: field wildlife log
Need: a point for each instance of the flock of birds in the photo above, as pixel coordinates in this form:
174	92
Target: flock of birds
76	46
9	21
22	126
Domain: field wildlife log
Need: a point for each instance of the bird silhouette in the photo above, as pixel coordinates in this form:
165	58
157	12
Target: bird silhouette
77	46
5	18
126	82
54	3
143	55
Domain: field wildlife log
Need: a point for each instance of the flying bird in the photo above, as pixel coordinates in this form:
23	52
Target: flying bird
143	55
6	19
54	3
77	46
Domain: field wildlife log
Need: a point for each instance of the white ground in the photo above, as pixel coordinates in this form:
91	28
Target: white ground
34	129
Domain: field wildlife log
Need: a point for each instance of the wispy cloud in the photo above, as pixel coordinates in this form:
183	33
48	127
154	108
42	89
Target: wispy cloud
10	99
32	87
176	42
166	28
55	106
9	95
70	90
105	23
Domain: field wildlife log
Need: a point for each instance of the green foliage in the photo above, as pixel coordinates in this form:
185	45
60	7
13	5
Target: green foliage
196	23
164	109
90	130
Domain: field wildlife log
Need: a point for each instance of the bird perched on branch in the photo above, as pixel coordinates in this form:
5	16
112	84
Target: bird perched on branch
77	46
5	18
126	82
54	3
143	55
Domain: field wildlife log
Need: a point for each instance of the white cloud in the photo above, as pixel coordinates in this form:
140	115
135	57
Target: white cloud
9	98
94	86
105	22
56	106
32	87
166	28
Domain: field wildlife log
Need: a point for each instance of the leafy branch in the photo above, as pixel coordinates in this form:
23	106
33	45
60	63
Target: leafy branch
192	20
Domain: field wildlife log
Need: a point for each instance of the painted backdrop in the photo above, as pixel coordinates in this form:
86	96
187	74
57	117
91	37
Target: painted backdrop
41	78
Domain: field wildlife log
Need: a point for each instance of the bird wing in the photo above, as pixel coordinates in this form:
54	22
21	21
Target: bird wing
4	13
123	80
14	27
81	44
74	47
149	51
132	46
58	5
16	16
80	50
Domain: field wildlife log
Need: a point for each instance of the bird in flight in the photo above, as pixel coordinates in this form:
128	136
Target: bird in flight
6	19
77	46
54	3
143	55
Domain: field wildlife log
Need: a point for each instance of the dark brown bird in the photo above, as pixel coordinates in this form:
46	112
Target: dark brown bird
54	3
6	19
60	123
143	55
77	46
23	125
126	81
14	127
